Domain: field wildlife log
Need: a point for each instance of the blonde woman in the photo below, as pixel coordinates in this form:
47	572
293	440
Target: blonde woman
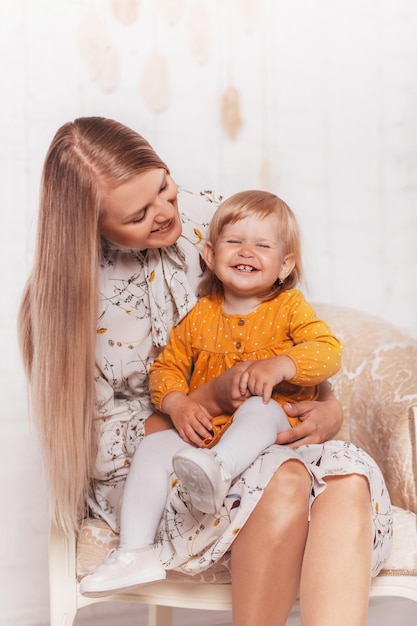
116	265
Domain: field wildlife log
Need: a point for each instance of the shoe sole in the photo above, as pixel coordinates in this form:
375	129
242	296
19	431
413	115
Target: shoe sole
198	484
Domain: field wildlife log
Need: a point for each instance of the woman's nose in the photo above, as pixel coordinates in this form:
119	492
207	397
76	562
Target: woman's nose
162	210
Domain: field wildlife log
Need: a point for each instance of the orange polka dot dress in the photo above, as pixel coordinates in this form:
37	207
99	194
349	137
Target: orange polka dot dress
208	341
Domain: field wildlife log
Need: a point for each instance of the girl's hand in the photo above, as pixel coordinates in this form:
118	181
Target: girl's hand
189	417
260	377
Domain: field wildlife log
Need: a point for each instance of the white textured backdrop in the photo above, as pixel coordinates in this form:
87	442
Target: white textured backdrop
316	101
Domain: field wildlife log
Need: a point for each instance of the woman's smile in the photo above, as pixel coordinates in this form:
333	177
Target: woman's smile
165	227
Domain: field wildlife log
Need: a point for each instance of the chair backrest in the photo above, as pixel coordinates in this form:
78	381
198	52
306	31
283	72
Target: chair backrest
377	386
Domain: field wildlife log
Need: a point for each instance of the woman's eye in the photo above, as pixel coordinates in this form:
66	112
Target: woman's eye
139	218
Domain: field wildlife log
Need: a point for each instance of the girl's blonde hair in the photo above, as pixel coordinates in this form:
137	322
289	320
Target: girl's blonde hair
58	312
258	204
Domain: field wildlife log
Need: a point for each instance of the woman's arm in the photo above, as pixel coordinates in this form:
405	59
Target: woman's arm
222	395
321	419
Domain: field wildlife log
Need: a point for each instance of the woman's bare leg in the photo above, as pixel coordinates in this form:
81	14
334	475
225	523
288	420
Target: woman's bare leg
267	554
337	562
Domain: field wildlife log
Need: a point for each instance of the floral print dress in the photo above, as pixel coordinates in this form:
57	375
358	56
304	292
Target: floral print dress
143	293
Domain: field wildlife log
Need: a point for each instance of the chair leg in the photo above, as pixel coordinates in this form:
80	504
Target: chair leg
62	579
159	615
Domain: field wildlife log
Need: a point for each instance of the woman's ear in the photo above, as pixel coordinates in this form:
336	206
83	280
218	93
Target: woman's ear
209	255
287	267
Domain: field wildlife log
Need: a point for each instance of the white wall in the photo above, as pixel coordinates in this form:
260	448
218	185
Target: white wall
328	101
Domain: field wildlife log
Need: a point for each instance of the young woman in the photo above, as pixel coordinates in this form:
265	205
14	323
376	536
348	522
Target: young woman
117	263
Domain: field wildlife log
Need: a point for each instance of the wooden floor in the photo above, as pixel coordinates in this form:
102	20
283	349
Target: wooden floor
382	612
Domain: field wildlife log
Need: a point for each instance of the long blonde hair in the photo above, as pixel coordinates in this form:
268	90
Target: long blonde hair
258	204
58	312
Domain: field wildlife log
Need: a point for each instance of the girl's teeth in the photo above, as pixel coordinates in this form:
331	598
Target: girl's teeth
244	268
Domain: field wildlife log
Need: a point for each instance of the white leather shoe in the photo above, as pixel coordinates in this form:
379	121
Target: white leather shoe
204	476
122	570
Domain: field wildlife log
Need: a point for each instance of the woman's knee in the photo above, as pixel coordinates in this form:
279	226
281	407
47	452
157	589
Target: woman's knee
280	518
351	489
346	497
287	495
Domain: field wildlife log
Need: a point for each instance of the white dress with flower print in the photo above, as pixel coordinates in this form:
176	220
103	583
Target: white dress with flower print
143	293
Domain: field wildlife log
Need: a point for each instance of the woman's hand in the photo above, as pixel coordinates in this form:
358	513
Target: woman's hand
223	395
321	420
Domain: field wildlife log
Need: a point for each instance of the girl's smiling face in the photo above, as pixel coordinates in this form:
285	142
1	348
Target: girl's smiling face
248	258
143	212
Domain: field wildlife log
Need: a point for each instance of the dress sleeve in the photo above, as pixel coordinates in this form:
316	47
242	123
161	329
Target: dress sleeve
196	208
172	369
317	352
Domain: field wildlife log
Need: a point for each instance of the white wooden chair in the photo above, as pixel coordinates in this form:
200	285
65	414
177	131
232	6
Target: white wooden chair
378	390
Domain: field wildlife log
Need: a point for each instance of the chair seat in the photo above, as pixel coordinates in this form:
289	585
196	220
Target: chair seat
96	539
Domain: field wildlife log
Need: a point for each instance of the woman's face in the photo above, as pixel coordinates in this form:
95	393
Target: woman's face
143	212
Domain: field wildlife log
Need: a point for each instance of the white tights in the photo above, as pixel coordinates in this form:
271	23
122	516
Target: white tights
146	488
255	426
